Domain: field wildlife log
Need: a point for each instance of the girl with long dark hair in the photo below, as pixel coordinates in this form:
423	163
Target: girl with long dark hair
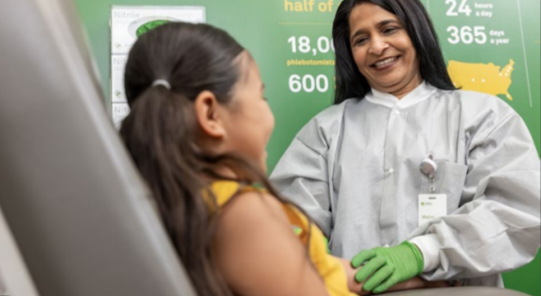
197	132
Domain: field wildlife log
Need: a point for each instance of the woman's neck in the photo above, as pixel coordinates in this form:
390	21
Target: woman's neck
404	90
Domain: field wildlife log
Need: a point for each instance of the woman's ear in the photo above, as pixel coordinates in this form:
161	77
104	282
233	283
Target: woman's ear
209	117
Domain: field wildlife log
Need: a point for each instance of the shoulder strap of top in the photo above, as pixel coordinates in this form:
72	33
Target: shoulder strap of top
224	190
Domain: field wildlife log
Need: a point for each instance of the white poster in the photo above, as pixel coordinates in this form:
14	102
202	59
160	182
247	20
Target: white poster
119	112
118	64
126	22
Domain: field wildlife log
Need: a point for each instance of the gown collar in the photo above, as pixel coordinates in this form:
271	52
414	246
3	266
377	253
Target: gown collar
419	94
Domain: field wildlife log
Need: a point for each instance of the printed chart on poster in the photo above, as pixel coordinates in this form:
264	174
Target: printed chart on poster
127	23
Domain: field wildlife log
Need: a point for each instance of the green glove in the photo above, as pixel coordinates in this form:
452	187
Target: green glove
326	241
387	267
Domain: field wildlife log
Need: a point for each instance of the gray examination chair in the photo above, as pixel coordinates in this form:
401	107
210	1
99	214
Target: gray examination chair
76	208
75	218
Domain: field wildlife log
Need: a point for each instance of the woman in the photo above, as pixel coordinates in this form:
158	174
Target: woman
197	132
448	180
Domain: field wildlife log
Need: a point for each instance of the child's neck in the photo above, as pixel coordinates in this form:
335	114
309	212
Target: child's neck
226	172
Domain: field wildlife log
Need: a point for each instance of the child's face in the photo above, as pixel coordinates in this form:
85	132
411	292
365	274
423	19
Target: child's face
248	120
242	126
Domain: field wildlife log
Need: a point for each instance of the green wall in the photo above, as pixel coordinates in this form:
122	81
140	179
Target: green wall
266	29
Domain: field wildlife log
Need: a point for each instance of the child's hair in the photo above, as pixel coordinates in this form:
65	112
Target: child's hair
159	133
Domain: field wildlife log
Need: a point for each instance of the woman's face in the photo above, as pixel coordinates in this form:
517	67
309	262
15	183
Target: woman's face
382	50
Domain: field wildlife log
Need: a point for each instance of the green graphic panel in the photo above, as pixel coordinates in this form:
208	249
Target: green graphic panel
494	48
290	40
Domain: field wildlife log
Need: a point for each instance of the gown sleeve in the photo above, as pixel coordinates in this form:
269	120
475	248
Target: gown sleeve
497	227
301	175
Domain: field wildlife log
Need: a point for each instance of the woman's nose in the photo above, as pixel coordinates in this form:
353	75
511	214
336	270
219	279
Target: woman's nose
377	46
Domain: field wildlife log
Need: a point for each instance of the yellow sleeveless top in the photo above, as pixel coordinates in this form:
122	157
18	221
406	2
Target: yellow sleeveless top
329	268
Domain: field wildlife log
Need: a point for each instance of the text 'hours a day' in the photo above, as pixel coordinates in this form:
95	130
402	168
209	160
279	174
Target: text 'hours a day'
469	34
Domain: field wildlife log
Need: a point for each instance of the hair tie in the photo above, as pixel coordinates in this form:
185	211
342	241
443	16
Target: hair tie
162	82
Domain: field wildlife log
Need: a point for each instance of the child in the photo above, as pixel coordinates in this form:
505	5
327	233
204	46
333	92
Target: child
197	131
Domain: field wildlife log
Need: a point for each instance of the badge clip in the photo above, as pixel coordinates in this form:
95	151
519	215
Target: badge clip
429	167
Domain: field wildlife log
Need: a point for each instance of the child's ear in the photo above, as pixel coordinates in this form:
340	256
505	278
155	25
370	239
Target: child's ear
208	116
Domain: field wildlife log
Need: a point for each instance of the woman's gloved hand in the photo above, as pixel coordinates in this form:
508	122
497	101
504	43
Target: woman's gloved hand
386	267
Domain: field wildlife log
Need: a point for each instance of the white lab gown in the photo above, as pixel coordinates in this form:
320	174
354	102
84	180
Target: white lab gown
355	169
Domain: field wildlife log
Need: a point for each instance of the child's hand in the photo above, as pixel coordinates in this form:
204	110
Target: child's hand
353	285
414	283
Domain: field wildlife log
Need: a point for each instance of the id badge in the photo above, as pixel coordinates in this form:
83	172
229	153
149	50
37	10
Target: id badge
431	206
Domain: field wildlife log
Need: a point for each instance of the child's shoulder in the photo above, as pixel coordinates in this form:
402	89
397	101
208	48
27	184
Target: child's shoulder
245	198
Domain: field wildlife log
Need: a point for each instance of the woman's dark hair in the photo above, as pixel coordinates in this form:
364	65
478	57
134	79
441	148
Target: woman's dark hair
350	83
159	133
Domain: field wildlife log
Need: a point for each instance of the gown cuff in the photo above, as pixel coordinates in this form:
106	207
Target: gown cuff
429	247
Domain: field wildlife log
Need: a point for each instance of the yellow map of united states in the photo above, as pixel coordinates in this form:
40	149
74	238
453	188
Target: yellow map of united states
485	78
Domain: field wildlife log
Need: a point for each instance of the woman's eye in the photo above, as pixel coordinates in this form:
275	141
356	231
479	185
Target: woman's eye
361	41
389	30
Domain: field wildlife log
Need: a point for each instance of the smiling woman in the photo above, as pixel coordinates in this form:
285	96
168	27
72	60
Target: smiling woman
410	32
355	167
383	51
